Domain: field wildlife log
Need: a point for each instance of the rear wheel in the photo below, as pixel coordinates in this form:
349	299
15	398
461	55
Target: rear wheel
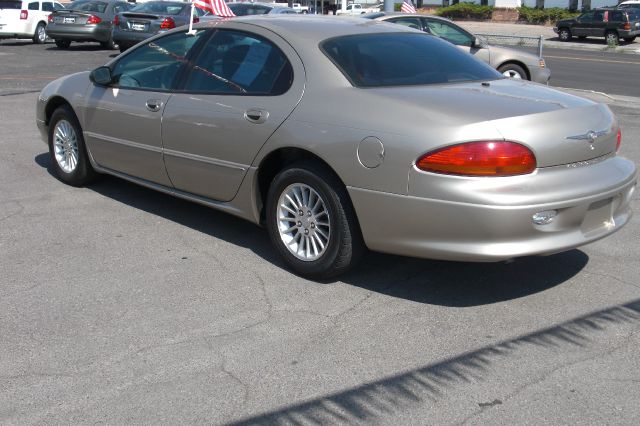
67	149
63	44
612	38
564	34
109	44
311	221
513	71
40	36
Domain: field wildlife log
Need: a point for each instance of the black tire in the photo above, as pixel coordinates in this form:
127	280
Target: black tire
40	36
123	48
82	173
108	45
63	44
612	38
564	34
629	39
344	245
515	71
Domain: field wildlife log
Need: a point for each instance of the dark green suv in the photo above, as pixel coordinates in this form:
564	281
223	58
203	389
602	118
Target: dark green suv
612	24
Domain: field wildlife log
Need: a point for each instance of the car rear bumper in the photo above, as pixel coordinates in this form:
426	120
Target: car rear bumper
79	33
471	231
129	38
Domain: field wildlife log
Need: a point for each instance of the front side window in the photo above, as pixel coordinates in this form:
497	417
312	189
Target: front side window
449	32
598	16
376	60
235	62
154	66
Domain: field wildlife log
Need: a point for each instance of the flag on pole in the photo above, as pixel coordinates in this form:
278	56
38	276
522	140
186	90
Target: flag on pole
216	7
407	7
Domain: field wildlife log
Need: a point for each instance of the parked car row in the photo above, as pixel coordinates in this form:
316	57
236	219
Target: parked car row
613	24
354	136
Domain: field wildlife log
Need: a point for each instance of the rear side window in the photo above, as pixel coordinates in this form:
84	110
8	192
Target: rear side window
239	63
375	60
34	6
47	7
10	4
616	16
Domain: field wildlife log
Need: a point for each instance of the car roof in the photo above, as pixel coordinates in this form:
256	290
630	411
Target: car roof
386	15
300	30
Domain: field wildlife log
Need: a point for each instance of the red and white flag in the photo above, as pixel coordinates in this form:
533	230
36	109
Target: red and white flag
407	7
216	7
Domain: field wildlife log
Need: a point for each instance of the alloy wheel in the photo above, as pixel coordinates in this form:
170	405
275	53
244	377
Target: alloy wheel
65	146
303	222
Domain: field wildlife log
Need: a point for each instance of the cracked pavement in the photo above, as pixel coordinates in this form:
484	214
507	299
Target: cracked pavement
119	305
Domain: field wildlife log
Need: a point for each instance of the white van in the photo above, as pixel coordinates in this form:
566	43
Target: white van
26	18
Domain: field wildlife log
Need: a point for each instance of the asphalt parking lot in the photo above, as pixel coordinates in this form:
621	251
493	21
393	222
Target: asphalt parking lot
120	305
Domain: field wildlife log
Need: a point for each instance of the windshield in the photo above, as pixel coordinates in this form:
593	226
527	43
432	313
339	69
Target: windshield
160	7
401	59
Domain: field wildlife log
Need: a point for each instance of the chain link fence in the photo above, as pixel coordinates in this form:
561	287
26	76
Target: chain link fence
522	41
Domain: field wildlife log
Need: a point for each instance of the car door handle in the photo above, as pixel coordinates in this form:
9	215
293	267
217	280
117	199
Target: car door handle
256	115
154	105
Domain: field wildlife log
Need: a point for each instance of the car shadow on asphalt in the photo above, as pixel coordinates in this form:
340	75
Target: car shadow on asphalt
455	284
78	47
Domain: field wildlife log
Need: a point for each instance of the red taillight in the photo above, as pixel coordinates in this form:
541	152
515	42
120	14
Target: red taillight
618	139
196	19
116	20
93	19
50	18
627	26
484	158
167	24
24	14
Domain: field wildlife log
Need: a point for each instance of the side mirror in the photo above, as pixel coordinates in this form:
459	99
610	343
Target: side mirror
101	76
479	43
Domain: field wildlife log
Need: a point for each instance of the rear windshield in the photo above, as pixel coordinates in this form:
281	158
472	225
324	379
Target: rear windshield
10	4
159	7
402	59
88	6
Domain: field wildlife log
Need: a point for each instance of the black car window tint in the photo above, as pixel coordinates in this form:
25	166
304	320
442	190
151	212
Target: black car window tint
616	16
449	32
33	6
598	16
47	7
403	59
57	6
11	4
238	63
155	64
407	22
586	17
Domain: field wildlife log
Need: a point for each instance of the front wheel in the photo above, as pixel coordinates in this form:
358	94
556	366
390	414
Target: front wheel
67	149
564	34
40	36
513	71
311	222
63	44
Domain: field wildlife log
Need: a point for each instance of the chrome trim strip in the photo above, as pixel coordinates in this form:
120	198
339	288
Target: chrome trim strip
124	142
208	160
591	135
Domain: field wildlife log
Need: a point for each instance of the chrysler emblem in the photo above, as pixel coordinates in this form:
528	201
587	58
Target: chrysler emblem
590	136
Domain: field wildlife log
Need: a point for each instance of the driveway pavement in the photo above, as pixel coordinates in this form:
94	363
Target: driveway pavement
121	305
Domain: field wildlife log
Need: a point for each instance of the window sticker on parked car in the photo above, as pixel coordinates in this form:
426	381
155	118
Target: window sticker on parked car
252	64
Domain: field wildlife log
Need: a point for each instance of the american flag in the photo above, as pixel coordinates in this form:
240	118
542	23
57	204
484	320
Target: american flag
407	7
216	7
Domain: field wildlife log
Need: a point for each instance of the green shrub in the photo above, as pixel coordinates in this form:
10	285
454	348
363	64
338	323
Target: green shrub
466	11
541	16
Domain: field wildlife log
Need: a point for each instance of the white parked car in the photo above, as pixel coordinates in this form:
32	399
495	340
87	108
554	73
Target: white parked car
356	9
26	18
